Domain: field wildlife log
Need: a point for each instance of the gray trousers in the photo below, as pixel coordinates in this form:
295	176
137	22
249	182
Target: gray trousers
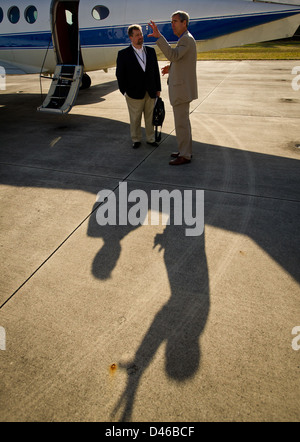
183	129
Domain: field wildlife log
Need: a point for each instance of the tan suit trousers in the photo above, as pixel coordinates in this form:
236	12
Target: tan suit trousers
136	109
183	129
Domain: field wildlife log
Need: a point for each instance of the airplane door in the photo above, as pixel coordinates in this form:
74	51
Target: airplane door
65	31
68	74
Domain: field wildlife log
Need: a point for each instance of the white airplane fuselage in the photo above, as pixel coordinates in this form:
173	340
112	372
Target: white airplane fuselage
35	35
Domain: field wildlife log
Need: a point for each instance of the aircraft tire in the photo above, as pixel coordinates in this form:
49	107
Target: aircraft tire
85	82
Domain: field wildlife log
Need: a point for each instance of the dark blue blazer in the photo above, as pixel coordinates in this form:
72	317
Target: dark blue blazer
131	77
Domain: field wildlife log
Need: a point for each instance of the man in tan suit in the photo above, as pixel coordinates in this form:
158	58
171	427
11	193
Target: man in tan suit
182	81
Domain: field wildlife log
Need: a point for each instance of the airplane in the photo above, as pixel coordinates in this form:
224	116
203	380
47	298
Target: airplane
63	40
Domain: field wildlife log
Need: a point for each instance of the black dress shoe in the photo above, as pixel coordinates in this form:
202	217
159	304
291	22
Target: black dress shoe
136	144
154	143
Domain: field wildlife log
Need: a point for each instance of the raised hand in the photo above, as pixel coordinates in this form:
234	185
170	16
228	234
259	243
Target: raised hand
155	33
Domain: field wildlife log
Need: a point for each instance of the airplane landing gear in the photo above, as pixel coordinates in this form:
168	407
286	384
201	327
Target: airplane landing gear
85	82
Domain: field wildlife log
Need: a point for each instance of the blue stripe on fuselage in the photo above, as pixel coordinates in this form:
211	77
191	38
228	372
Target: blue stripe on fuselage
201	29
216	27
35	40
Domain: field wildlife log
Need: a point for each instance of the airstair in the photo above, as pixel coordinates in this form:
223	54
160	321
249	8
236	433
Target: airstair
64	88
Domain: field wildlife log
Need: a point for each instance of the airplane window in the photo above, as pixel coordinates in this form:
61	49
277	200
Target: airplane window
13	14
100	12
31	14
1	15
69	17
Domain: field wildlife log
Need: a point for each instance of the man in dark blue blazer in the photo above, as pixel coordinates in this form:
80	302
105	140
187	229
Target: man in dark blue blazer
139	80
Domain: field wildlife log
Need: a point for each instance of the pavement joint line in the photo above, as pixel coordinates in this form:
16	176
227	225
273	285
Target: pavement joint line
45	261
216	87
207	189
149	182
70	172
248	116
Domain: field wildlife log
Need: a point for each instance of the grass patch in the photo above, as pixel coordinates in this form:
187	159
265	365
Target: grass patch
276	50
273	50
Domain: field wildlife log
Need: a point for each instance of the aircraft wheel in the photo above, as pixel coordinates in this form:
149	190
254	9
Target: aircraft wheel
86	81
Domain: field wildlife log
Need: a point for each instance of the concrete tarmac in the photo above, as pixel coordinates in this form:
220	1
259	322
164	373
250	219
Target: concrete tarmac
144	323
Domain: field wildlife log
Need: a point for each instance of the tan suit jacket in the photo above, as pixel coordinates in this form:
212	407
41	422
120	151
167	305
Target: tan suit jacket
182	74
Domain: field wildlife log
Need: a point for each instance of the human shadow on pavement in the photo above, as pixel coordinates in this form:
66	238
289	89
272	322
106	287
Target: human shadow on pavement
180	322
